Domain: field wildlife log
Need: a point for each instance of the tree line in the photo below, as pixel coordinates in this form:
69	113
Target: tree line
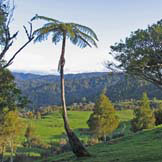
83	89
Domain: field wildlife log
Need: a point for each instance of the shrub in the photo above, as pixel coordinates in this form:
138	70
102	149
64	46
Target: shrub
63	141
93	141
120	133
105	138
30	115
158	116
144	117
38	115
29	134
36	142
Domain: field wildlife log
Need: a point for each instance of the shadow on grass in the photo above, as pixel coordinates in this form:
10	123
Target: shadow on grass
33	151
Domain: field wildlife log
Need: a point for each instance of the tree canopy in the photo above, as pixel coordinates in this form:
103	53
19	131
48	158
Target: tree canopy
103	120
10	128
10	96
141	54
79	35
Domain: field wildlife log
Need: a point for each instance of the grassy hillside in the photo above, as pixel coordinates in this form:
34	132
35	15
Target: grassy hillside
145	146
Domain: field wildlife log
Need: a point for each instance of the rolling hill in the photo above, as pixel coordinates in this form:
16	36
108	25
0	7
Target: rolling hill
44	90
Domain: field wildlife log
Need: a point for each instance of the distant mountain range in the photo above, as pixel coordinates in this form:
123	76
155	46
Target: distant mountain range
44	90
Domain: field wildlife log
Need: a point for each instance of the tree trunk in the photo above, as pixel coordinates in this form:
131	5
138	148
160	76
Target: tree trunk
104	138
3	150
11	147
76	145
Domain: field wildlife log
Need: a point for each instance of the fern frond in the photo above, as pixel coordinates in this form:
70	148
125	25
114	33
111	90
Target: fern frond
44	31
36	17
79	41
86	30
41	37
79	35
87	38
56	36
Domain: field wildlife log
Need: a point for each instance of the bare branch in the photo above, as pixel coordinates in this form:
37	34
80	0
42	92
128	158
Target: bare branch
8	42
30	38
11	15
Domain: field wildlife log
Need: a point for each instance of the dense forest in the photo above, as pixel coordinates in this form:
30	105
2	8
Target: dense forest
86	87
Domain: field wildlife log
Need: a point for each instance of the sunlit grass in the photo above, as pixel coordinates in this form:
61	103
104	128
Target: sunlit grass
145	146
51	128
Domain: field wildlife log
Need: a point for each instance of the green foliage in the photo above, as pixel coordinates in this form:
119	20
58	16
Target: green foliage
103	120
11	124
10	95
144	117
4	12
158	115
79	35
10	129
140	54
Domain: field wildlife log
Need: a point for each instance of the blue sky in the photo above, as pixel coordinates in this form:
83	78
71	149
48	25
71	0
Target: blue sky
112	20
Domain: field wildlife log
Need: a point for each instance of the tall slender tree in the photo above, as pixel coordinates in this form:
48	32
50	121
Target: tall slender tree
79	35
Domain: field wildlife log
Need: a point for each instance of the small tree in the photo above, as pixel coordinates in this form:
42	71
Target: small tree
38	115
29	134
144	117
103	120
10	128
30	115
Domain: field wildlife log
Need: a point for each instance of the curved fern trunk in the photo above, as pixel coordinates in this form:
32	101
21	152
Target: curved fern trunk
76	145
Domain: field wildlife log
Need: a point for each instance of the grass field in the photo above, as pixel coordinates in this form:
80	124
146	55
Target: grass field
145	146
50	127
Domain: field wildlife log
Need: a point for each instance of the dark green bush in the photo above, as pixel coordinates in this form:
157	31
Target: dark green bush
158	116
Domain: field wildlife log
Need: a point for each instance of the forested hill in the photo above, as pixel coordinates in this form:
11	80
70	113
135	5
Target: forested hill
85	87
